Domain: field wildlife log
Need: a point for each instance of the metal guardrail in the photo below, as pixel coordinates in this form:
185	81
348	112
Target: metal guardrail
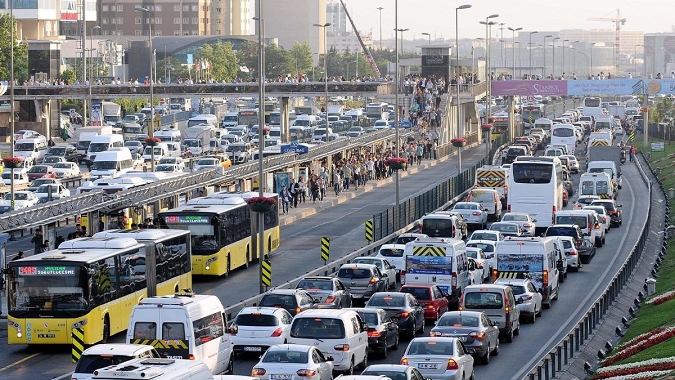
564	350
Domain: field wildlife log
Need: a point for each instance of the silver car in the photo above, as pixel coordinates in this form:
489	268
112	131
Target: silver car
524	220
329	291
527	296
479	335
439	358
472	212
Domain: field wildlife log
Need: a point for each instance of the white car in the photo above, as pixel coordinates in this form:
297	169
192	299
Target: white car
103	355
486	235
472	212
526	221
41	181
439	358
57	191
488	246
178	161
66	169
207	163
481	260
476	274
22	199
618	131
383	265
20	177
138	159
407	237
584	200
294	362
394	254
255	329
603	215
527	296
570	246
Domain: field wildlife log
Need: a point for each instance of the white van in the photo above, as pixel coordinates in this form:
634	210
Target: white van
599	184
31	150
112	163
608	167
532	257
205	118
102	143
489	199
161	150
588	222
156	369
195	325
104	355
168	135
441	262
441	225
341	334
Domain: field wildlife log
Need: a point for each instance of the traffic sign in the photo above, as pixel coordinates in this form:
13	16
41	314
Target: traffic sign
266	277
325	249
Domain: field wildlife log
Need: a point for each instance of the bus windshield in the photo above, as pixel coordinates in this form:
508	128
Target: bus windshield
592	102
47	288
563	132
532	172
203	234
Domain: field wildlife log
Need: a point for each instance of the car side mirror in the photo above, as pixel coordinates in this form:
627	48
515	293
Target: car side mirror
619	205
472	266
329	358
520	301
393	267
534	220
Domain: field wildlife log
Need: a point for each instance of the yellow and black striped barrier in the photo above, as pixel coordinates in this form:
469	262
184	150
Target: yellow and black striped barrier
162	344
510	275
631	137
78	344
325	249
369	230
266	277
429	251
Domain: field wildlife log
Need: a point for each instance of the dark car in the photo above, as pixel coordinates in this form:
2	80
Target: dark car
479	335
585	247
508	229
433	299
403	309
69	152
363	280
382	331
329	291
612	209
293	300
512	153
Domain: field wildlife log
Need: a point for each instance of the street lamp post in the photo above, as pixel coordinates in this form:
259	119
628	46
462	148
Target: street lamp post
513	48
396	103
429	36
592	44
543	69
460	129
91	70
574	67
11	102
151	127
565	42
529	47
325	71
380	9
487	24
553	49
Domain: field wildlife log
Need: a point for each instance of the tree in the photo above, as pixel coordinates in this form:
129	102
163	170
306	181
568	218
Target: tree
68	75
224	63
302	55
248	57
175	70
20	52
278	62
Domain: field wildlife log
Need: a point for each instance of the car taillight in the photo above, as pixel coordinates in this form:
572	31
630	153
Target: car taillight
277	332
545	278
341	347
329	299
454	281
297	309
258	371
477	334
527	225
494	275
526	298
404	314
404	361
598	226
452	365
306	372
374	334
373	280
476	213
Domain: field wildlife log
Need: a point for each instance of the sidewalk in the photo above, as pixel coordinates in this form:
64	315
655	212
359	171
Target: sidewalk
308	208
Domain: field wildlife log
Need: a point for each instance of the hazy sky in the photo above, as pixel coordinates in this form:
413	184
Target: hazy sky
437	17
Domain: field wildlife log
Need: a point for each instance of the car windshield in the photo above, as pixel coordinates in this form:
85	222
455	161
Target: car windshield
394	252
165	168
431	348
504	227
90	363
278	300
354	273
317	328
45	188
56	151
484	236
599	210
256	319
208	161
485	247
168	160
572	219
515	218
315	284
386	301
38	169
608	205
567	244
369	317
422	294
104	165
561	231
62	165
466	206
17	196
472	254
285	356
390	374
458	320
517	289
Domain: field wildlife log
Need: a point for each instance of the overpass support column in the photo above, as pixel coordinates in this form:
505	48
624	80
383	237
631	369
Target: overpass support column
285	121
512	118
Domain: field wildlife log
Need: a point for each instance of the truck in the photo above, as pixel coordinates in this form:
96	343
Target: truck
335	110
605	153
493	177
197	138
112	112
306	110
617	110
180	104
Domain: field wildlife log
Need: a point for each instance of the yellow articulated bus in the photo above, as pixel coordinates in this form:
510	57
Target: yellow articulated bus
221	227
92	283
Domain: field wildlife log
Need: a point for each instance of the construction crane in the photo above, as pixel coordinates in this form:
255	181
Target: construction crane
366	53
618	21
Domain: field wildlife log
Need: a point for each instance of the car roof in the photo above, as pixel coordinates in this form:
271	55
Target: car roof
261	310
285	347
564	225
388	367
463	312
317	278
282	291
358	266
512	281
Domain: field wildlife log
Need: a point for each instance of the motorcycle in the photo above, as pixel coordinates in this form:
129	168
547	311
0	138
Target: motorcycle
623	156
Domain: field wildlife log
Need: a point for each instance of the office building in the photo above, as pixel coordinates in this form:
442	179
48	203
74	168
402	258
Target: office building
292	21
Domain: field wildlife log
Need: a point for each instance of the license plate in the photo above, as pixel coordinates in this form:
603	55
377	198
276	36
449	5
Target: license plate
253	349
427	366
46	335
281	377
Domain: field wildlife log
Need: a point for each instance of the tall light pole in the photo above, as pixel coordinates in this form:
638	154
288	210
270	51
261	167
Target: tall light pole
91	71
520	65
553	49
325	70
592	44
380	9
529	47
460	129
151	127
11	101
543	69
574	68
513	48
261	135
487	24
635	59
565	42
428	35
396	105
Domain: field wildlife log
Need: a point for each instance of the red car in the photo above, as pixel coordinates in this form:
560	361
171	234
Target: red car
433	299
40	171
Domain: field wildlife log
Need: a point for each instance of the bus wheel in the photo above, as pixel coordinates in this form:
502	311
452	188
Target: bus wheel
175	289
248	260
227	269
269	245
106	329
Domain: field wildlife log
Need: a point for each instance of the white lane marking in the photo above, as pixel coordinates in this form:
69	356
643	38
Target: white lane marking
63	376
545	347
19	362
